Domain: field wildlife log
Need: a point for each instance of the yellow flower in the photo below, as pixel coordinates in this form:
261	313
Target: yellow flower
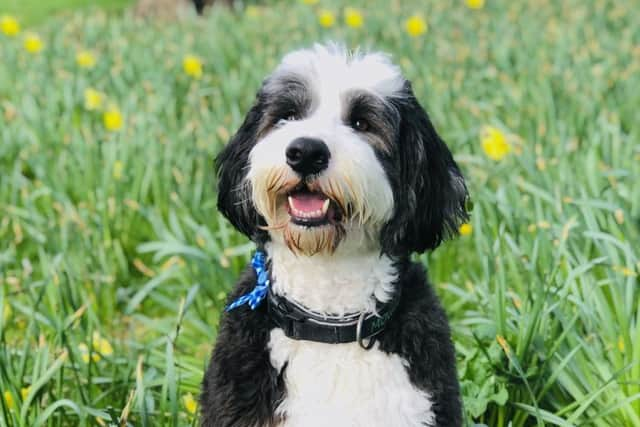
112	119
544	224
101	345
494	143
465	229
503	344
6	312
621	344
625	271
189	403
85	354
416	26
8	398
9	25
117	170
85	59
24	392
326	18
475	4
253	11
93	99
353	17
192	66
33	43
516	302
310	2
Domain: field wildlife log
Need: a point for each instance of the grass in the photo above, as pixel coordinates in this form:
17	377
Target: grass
35	12
114	263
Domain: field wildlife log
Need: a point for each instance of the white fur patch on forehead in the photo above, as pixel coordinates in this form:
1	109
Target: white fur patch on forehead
333	67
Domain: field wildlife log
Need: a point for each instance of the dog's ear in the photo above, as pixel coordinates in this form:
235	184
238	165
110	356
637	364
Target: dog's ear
232	163
431	193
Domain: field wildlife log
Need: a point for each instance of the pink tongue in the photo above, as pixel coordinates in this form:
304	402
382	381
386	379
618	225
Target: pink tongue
307	202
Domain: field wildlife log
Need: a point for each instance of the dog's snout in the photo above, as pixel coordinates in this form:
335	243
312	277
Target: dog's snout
308	156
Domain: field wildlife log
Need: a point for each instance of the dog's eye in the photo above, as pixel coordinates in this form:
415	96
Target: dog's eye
290	116
361	125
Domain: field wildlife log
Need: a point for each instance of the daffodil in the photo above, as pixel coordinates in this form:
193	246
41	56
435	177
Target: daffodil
625	271
192	66
24	392
619	216
85	59
86	355
310	2
93	99
503	343
101	345
544	225
8	398
494	143
112	119
253	11
416	26
326	18
189	403
475	4
117	170
353	18
9	25
465	229
6	312
33	43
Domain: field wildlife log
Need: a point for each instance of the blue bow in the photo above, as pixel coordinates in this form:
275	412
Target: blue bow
258	294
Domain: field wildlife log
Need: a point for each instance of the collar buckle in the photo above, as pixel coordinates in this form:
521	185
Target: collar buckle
359	338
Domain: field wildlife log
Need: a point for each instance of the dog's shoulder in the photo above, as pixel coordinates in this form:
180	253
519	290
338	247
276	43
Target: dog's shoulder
240	387
419	332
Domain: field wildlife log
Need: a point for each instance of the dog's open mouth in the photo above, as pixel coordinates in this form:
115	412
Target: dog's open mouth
311	209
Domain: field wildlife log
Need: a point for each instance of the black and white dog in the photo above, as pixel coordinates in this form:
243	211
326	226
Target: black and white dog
338	176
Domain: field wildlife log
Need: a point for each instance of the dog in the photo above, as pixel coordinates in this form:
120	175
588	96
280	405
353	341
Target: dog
338	176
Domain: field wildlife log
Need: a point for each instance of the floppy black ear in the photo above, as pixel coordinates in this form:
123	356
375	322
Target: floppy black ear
431	193
232	163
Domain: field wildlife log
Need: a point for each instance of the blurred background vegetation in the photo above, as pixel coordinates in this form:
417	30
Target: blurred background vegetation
114	263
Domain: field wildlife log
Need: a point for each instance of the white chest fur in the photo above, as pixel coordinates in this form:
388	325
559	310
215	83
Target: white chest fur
342	385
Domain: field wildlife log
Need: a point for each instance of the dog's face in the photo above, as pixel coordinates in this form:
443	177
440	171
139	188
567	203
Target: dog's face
337	148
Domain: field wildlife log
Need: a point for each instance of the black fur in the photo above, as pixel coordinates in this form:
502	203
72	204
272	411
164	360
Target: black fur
242	389
419	333
428	187
233	198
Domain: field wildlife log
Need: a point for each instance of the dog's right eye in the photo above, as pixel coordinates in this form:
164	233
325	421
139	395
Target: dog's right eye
290	116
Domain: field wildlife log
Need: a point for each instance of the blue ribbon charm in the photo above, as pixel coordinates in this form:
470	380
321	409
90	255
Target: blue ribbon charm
258	294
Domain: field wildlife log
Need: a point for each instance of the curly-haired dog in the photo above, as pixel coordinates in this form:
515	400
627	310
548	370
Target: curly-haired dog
338	176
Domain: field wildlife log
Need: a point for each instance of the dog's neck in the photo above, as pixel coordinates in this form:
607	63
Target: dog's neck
346	281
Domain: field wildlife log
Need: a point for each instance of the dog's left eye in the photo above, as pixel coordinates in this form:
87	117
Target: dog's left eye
290	116
361	125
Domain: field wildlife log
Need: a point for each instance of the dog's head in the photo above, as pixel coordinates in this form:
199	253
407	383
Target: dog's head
336	148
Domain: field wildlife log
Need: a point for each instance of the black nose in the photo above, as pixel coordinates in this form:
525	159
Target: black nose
308	156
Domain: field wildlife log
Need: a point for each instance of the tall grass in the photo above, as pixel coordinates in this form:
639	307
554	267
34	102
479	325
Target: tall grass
114	263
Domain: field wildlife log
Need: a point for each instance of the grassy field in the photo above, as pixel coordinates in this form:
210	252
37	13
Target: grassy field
36	11
114	263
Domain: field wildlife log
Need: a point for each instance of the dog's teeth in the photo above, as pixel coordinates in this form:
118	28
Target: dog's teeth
291	202
325	207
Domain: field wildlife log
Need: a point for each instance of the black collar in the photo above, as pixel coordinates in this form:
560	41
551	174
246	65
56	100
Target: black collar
299	323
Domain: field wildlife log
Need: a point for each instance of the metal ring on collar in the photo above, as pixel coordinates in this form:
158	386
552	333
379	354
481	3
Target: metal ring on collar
359	338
